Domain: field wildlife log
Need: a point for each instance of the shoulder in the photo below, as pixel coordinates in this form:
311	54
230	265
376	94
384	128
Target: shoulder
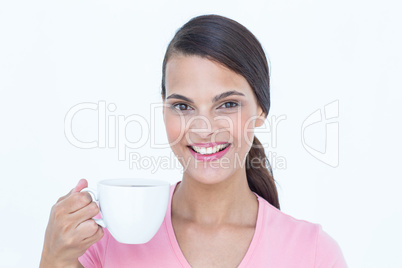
300	237
328	252
285	224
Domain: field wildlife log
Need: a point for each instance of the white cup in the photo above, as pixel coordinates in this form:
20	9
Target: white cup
132	209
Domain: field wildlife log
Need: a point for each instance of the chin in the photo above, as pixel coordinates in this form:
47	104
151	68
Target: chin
207	176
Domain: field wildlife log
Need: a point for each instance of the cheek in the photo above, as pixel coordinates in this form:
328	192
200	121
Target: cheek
174	129
247	130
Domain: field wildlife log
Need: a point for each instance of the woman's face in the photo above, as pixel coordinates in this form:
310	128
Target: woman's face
210	113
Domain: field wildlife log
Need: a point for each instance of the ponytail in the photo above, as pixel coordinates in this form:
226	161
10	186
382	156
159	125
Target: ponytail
259	174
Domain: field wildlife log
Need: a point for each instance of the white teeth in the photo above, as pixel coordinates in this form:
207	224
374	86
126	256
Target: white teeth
209	150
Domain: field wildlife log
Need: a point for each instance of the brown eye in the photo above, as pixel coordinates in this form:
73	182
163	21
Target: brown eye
181	106
229	104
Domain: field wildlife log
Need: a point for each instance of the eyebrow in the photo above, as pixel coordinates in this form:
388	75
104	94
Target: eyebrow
215	99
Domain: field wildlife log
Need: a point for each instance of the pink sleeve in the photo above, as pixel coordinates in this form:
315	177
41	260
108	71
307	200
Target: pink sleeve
94	256
328	253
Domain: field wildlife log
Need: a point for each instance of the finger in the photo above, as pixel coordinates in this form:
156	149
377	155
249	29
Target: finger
75	202
64	197
85	213
87	229
95	238
81	185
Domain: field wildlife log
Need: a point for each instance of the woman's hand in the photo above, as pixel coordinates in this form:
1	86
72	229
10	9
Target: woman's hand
71	229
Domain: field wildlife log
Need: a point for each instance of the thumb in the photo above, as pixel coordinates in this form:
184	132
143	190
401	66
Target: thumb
81	185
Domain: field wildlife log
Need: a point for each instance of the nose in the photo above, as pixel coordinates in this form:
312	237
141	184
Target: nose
201	126
205	127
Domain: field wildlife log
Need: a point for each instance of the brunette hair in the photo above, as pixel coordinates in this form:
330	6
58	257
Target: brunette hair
229	43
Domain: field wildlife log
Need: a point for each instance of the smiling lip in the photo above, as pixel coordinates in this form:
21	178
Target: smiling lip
210	144
209	157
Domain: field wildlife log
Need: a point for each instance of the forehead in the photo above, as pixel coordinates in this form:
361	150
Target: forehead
197	76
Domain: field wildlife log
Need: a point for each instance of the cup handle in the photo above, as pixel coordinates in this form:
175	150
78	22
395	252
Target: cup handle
94	196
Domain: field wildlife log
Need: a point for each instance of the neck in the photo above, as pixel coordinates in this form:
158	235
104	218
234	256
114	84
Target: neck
227	202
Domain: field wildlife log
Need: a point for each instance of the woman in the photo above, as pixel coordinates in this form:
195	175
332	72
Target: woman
225	211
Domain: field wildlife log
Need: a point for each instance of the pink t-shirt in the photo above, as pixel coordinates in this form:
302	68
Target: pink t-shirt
279	241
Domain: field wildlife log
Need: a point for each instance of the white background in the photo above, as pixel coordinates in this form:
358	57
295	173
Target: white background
57	54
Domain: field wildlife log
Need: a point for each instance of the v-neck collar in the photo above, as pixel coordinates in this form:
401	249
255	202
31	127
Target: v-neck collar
175	245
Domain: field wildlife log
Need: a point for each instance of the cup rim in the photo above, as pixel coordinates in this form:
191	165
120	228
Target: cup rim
135	181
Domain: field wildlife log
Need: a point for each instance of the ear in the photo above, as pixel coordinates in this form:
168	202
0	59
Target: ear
261	118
